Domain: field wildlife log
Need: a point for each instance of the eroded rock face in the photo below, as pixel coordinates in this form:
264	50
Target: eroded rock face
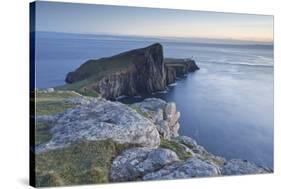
164	115
99	120
134	163
170	75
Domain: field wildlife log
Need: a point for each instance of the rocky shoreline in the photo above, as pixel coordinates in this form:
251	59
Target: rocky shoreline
149	129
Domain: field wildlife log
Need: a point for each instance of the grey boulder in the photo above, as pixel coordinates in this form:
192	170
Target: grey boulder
100	119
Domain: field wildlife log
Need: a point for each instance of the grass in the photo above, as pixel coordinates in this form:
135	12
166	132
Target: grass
52	103
42	134
176	147
48	108
83	163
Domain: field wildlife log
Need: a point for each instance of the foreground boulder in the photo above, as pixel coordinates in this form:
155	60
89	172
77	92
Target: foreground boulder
100	120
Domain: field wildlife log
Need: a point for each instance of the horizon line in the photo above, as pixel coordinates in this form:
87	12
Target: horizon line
260	42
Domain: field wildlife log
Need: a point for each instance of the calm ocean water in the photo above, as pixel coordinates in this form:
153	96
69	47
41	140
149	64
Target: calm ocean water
227	106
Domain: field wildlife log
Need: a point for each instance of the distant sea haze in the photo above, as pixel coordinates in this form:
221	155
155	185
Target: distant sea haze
227	106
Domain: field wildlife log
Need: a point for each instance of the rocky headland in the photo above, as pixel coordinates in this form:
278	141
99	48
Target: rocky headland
82	137
135	72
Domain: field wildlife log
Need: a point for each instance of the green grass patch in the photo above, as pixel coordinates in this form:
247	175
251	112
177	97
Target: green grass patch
52	107
83	163
54	96
52	103
42	134
176	147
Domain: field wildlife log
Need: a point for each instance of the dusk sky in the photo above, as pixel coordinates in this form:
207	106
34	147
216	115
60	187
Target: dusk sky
99	19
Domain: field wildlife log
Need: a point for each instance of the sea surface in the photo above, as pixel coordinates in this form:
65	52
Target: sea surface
226	106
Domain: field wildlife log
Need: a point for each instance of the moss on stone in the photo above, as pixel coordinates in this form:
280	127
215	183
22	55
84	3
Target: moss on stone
176	147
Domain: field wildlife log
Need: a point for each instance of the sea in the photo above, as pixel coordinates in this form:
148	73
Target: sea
226	106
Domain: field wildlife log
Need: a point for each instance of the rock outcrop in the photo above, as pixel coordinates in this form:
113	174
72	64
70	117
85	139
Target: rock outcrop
177	68
136	72
164	115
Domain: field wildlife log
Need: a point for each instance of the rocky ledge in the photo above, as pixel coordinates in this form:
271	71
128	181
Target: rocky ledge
148	129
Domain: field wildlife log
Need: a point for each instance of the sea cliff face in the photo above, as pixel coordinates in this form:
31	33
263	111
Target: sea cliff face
144	77
145	73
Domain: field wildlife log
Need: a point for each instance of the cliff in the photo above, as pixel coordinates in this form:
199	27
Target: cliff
136	72
178	68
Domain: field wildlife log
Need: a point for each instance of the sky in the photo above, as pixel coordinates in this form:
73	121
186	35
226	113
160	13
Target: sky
121	20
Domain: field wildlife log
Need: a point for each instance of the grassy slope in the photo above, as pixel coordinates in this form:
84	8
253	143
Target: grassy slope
51	103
